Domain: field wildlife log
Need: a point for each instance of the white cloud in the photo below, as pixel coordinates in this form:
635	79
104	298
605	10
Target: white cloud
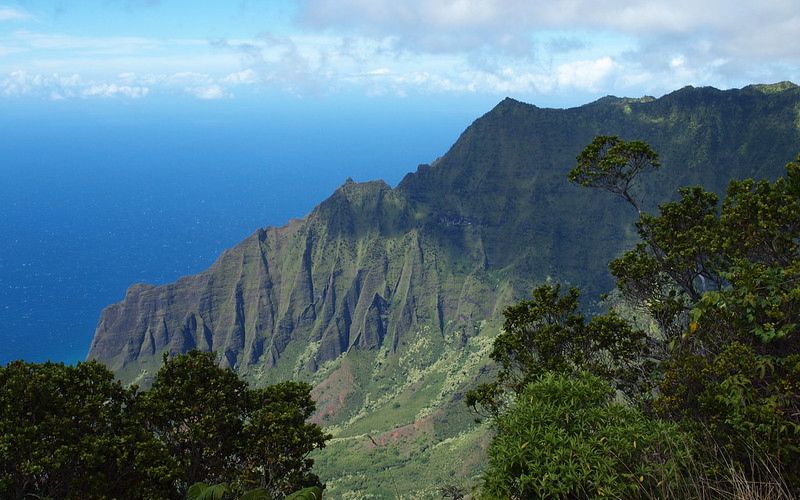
56	87
22	83
585	75
414	17
127	67
719	42
128	85
12	14
461	12
7	51
90	44
114	90
379	72
325	63
104	57
244	77
523	48
208	93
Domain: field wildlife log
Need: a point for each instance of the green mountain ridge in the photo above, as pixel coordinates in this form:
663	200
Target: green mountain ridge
388	299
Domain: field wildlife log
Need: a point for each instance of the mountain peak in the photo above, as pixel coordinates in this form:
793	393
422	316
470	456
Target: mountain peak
508	104
772	88
351	187
508	101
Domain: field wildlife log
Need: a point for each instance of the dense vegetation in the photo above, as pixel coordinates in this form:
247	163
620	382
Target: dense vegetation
694	391
565	437
75	432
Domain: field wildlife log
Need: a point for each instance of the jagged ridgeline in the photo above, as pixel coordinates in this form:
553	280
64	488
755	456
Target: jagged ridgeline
388	298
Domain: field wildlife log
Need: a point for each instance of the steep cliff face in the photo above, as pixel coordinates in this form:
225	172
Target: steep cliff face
357	273
388	298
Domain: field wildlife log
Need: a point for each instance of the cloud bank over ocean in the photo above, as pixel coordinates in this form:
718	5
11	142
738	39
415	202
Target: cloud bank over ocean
134	50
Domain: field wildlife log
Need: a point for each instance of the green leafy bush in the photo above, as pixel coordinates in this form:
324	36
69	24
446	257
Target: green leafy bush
565	437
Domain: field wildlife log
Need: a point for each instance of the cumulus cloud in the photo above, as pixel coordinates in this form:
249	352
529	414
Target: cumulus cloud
209	92
717	40
763	23
127	85
23	83
299	64
512	47
114	90
585	75
57	87
128	67
244	77
327	63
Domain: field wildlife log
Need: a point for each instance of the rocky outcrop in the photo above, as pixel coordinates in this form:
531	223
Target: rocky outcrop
355	274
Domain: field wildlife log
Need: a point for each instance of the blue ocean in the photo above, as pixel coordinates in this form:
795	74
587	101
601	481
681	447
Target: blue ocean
96	196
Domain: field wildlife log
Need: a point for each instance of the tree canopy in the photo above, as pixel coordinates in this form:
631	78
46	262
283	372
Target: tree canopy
67	432
715	290
75	432
547	334
612	164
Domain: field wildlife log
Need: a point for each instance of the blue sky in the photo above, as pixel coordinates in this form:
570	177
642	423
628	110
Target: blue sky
546	52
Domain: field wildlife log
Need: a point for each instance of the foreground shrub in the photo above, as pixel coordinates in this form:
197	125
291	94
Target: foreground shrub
565	437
